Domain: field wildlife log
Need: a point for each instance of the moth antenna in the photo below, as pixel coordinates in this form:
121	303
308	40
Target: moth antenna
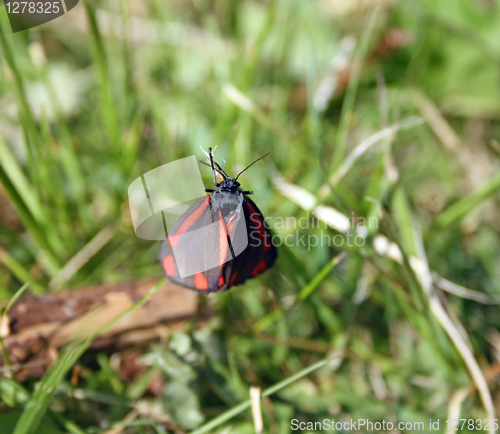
251	165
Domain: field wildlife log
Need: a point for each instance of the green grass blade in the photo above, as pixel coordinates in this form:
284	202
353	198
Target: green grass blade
106	94
40	400
322	274
306	291
20	183
12	300
462	207
35	230
228	415
21	272
352	88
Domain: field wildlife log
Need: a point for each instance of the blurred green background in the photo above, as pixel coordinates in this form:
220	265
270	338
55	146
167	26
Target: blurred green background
393	104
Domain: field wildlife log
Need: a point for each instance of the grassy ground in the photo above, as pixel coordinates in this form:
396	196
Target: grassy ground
408	138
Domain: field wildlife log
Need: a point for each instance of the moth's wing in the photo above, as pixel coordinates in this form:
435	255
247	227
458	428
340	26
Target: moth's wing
260	253
198	245
184	241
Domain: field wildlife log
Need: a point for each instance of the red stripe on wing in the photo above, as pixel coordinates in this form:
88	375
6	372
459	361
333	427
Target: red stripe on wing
233	278
188	222
223	240
221	280
200	281
259	268
169	265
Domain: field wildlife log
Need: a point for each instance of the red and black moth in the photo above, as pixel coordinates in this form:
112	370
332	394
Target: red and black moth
236	243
